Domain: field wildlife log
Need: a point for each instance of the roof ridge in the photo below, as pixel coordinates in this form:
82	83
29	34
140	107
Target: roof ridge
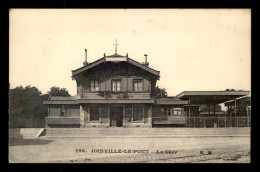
153	71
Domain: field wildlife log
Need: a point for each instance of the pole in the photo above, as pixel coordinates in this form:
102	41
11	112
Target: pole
214	109
236	111
231	116
209	109
225	121
214	114
209	115
204	121
189	113
247	115
194	120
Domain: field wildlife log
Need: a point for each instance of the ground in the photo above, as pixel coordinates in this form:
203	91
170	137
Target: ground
133	150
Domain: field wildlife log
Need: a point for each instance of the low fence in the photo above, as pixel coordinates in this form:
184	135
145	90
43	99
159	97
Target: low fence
215	122
208	122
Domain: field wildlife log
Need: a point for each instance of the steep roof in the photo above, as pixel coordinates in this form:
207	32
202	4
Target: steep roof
116	58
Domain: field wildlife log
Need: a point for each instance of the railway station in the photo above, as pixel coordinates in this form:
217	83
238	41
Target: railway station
116	91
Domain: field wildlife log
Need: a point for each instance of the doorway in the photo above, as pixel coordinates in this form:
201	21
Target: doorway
116	116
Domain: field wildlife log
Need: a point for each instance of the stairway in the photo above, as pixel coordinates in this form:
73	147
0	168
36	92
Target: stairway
142	132
103	132
24	132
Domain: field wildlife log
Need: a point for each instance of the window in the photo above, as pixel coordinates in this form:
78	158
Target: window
104	111
167	111
64	110
116	84
138	113
138	85
176	112
94	113
94	85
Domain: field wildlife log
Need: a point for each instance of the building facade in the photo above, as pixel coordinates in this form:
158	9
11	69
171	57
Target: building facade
114	91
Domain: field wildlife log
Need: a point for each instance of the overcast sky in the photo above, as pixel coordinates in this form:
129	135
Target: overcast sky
193	49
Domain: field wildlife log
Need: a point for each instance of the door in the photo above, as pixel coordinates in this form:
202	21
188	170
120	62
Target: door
116	116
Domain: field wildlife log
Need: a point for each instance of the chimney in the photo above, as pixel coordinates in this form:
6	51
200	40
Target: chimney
85	62
146	63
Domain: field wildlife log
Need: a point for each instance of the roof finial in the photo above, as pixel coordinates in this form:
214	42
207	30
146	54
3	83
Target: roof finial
116	44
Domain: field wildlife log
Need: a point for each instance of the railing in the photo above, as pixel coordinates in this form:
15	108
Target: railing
210	122
198	122
115	95
169	120
104	94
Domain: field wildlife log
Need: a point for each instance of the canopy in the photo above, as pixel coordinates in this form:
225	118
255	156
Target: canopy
210	97
239	100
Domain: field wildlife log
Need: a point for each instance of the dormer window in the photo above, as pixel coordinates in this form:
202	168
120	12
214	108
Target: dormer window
94	85
138	85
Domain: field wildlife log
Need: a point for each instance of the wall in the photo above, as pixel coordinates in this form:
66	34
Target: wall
55	110
71	118
105	73
62	120
73	110
106	84
160	118
104	120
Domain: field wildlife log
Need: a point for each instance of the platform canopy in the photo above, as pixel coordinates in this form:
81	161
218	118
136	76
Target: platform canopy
246	99
210	97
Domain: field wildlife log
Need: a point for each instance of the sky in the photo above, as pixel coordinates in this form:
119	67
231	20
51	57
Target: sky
194	49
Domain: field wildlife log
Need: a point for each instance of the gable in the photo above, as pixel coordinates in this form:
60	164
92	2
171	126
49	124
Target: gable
115	60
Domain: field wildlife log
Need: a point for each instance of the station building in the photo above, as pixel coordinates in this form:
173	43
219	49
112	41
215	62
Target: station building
116	91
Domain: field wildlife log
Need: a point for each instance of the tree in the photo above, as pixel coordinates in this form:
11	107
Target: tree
159	92
26	107
233	89
57	91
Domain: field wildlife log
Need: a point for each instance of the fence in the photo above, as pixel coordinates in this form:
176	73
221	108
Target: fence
198	122
204	122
